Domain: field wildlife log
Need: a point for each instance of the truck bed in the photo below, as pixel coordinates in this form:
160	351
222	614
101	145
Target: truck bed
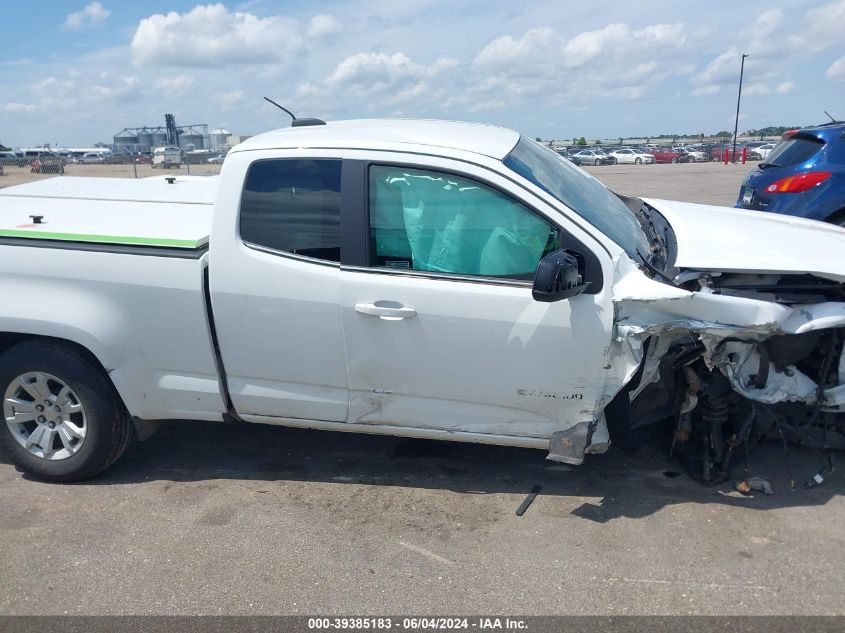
140	212
118	267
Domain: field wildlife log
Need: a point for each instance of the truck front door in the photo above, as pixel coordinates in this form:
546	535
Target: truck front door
441	328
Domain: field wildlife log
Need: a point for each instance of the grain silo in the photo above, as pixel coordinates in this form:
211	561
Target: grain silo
191	138
159	138
125	142
145	139
217	138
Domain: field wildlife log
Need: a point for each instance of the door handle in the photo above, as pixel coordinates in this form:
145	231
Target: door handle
387	310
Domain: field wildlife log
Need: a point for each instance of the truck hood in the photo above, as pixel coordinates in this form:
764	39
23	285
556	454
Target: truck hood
714	238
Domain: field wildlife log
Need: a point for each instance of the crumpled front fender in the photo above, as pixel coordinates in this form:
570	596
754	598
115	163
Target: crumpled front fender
731	330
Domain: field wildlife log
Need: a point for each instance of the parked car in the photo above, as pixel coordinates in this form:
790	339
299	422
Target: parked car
693	155
754	144
632	156
718	153
765	150
12	159
293	290
686	155
570	156
804	175
91	158
217	160
594	157
751	153
666	155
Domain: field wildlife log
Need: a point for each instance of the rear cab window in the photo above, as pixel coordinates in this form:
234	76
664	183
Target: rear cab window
293	206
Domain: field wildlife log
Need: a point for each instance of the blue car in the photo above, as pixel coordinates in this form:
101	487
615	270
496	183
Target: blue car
804	175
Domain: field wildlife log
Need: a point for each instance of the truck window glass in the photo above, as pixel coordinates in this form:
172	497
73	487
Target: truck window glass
433	221
293	206
579	191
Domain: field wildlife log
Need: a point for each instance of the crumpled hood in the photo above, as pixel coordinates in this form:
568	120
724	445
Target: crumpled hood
732	240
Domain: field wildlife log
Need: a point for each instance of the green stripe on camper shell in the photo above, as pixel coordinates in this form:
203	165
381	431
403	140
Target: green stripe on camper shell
101	239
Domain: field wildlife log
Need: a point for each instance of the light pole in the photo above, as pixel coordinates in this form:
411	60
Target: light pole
738	97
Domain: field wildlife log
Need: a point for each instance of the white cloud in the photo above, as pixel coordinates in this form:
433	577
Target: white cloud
546	45
92	15
323	25
506	51
785	87
386	78
706	89
535	67
617	62
54	105
771	40
120	89
837	69
53	86
621	40
229	99
175	85
759	88
824	27
16	107
767	22
723	68
211	36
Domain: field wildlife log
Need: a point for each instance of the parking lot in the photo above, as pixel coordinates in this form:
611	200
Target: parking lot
707	183
704	183
211	518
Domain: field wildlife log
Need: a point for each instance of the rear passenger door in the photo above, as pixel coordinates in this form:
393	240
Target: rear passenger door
274	279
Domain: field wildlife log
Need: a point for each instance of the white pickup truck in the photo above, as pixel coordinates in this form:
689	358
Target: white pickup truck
413	278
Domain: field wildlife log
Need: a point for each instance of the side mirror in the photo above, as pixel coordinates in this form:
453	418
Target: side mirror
559	275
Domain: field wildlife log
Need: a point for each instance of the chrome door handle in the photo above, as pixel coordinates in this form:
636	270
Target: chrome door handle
388	310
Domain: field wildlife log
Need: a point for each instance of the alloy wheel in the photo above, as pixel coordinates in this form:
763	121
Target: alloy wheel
45	416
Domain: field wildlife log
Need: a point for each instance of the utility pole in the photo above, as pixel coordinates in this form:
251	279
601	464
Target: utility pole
738	97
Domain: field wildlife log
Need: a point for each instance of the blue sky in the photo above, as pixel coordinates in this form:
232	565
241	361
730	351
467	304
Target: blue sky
77	72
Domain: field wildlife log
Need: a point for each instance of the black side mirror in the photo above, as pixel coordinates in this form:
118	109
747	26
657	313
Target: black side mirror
559	275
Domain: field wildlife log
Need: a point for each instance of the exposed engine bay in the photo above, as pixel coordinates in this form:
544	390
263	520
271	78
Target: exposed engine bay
732	359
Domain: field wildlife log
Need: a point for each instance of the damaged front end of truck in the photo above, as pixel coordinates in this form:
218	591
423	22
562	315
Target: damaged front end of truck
727	358
730	330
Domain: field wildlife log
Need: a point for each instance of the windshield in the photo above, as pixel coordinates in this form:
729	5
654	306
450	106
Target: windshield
579	191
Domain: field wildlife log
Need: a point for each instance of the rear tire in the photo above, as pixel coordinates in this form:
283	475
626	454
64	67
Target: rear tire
101	419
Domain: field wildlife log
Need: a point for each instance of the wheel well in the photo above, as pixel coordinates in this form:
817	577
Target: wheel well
9	339
143	428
